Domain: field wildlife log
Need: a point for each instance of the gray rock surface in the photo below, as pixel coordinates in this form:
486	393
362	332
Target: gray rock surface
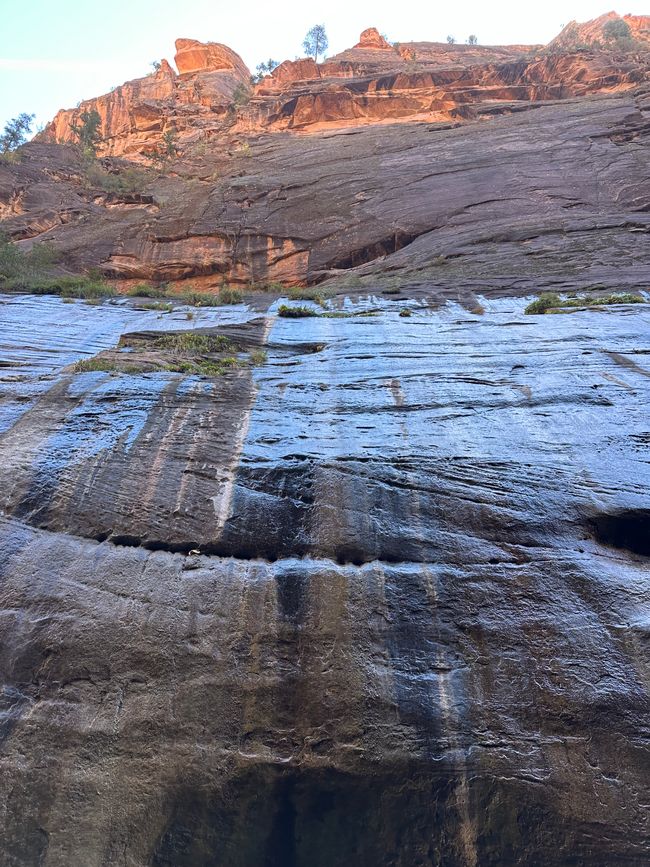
384	600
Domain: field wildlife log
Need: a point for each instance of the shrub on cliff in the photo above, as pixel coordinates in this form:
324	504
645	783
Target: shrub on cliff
618	32
264	69
241	95
87	132
129	180
15	132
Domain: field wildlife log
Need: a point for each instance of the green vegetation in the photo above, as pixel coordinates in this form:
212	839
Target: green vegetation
95	365
308	293
166	150
618	32
263	69
472	39
203	367
552	303
191	297
228	295
162	306
300	312
15	132
404	312
258	357
146	290
17	263
72	287
126	181
241	95
87	132
187	352
192	342
30	271
315	42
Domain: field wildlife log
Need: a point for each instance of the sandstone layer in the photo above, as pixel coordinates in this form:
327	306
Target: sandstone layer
381	599
595	32
520	201
371	82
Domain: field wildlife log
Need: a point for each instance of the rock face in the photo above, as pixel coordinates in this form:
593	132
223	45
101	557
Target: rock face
595	31
372	38
382	599
135	115
371	82
193	56
526	199
384	603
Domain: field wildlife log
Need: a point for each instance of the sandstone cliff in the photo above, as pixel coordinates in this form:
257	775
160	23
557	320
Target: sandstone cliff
371	82
595	32
367	586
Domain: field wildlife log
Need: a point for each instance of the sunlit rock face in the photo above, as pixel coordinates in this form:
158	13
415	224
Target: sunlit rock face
521	201
193	56
595	31
381	601
372	82
372	38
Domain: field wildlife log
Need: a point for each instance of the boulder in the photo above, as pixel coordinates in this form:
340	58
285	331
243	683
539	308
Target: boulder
372	38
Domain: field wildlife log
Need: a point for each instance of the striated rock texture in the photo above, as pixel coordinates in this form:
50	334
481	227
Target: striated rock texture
385	602
371	82
521	201
595	31
381	599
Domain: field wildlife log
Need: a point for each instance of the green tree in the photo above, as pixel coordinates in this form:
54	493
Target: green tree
263	69
316	42
155	65
170	143
617	31
15	132
451	40
87	132
472	39
241	95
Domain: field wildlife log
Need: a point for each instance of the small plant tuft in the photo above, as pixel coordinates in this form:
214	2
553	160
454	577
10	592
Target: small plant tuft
300	312
552	303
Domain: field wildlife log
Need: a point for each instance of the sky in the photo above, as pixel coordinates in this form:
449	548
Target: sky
54	53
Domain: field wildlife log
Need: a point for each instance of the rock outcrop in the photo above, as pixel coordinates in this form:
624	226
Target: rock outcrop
595	32
135	115
193	57
372	39
369	83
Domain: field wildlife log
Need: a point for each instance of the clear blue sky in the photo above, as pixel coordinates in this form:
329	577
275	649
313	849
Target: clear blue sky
54	53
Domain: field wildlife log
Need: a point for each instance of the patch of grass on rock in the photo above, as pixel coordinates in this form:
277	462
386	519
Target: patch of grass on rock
552	303
299	312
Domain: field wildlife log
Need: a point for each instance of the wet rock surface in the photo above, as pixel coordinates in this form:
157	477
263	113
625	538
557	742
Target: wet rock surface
382	599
